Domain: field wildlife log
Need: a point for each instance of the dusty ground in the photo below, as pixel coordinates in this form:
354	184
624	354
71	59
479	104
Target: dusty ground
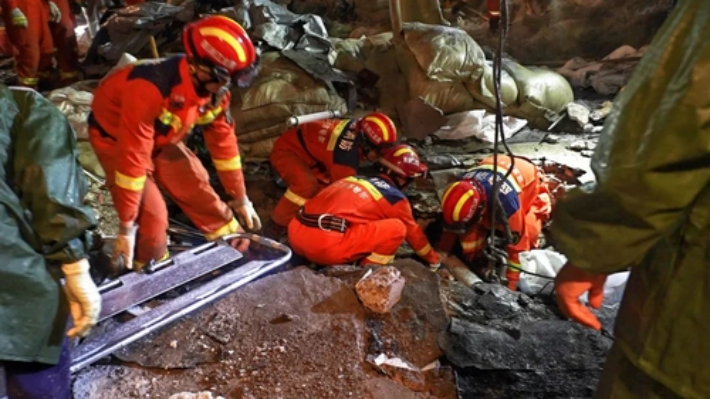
290	335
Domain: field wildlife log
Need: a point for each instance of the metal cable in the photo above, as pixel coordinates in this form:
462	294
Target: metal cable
497	210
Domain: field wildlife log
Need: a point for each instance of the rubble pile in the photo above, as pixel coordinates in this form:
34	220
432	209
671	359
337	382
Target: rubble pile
293	334
509	345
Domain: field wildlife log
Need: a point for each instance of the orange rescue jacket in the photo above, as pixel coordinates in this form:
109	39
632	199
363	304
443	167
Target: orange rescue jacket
518	194
330	145
148	105
361	200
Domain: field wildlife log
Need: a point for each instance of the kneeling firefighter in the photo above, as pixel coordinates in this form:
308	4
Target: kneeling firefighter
140	115
311	156
44	237
525	204
363	220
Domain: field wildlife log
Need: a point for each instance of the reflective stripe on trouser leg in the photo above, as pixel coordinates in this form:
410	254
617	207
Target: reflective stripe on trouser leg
152	218
302	184
32	45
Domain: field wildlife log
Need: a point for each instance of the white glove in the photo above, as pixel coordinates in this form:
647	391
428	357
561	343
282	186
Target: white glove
434	267
246	214
54	14
18	18
84	297
124	247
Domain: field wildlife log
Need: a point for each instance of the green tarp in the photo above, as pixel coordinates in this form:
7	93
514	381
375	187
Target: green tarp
43	223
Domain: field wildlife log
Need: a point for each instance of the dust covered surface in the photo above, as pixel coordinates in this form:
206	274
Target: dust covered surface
291	335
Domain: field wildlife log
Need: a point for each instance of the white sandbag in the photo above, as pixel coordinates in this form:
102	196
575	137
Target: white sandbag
482	89
479	124
76	106
449	97
443	53
257	151
282	89
548	263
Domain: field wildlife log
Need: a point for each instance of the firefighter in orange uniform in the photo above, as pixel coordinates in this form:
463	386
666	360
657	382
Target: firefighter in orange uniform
65	42
524	198
140	115
27	27
363	219
313	155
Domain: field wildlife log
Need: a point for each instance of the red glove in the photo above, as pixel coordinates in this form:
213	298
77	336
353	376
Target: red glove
570	283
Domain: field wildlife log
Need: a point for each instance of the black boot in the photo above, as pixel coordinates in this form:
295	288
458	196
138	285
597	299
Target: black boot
274	231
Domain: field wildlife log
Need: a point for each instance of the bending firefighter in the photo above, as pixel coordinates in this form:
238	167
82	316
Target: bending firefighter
650	211
44	226
363	220
313	155
140	115
524	199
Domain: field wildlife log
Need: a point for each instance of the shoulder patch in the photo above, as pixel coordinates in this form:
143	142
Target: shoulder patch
164	74
346	147
509	198
388	191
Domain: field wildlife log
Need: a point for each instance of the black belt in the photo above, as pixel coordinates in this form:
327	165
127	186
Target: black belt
324	221
92	123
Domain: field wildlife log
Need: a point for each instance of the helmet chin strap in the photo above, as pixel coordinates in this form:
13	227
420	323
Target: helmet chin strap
201	86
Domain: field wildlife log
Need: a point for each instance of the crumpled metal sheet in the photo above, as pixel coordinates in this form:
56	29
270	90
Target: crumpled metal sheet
130	28
284	30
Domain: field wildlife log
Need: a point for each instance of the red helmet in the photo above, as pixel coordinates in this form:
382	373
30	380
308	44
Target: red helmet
463	200
220	43
379	129
403	161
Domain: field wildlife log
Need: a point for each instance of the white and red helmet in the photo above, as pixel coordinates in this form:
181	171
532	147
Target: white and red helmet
379	130
403	161
463	201
222	45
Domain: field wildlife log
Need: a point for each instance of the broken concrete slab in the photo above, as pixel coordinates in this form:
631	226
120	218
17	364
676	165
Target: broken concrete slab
578	113
380	290
511	345
289	335
411	330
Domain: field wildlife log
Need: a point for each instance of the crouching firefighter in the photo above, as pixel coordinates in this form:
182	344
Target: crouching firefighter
140	115
363	220
525	204
44	237
311	156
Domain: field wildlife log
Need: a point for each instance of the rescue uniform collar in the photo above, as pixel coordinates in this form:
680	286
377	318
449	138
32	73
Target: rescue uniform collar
186	76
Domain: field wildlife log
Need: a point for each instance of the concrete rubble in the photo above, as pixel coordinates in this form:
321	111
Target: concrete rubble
380	290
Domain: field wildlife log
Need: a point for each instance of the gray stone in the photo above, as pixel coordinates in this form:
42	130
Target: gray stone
578	113
507	344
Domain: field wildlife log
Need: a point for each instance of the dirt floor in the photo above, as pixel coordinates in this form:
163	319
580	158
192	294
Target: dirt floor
290	335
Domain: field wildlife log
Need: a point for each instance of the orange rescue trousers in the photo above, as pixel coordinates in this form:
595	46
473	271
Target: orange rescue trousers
182	176
373	242
32	46
303	184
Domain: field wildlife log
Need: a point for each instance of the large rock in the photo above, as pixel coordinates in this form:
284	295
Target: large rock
509	345
411	330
